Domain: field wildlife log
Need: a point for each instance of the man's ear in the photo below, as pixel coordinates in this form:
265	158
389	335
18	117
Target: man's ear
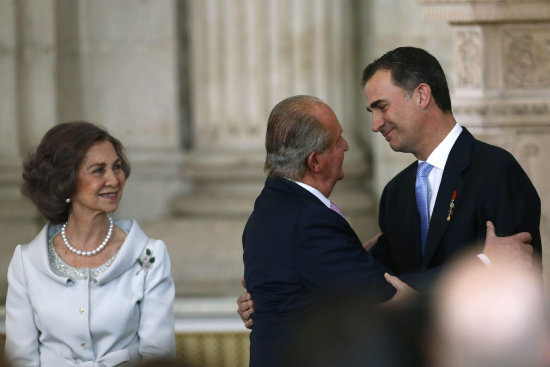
424	93
313	163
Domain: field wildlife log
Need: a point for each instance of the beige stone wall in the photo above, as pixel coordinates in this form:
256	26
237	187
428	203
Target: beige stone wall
116	63
385	25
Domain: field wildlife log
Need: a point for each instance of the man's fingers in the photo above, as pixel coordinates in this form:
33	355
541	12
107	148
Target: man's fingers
246	305
524	237
528	249
245	314
243	298
490	229
393	280
370	243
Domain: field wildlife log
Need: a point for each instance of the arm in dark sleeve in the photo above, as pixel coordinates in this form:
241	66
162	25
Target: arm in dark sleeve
332	260
381	249
512	203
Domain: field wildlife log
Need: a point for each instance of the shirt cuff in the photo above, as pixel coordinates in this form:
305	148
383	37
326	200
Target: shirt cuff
485	260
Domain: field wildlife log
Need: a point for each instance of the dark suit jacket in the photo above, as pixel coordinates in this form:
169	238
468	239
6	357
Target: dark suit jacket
298	252
489	185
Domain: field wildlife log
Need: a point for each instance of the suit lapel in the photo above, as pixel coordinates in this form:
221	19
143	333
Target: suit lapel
451	183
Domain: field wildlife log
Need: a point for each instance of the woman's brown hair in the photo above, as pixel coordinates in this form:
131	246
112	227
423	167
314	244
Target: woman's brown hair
50	173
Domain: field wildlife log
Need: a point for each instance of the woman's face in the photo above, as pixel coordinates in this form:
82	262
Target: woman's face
100	181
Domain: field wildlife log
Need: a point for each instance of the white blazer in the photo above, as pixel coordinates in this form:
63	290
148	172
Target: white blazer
116	318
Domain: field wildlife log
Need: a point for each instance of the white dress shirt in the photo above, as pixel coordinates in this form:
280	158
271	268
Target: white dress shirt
438	159
315	192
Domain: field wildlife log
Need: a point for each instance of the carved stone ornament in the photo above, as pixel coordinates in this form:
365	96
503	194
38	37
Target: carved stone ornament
468	56
527	58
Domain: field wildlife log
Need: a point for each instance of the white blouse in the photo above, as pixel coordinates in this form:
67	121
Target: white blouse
113	315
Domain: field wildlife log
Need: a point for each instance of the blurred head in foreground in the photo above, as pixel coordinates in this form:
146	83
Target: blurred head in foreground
490	316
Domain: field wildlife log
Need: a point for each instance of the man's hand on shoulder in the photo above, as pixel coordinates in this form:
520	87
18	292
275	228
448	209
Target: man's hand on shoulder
508	250
370	243
245	307
404	293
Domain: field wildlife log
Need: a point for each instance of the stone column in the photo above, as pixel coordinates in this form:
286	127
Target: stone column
28	103
250	54
36	92
247	55
28	89
118	68
501	76
10	152
27	110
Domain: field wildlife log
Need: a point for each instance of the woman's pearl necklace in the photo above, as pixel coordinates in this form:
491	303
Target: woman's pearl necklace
88	253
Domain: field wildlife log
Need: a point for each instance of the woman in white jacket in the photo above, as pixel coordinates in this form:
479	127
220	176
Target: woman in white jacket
87	291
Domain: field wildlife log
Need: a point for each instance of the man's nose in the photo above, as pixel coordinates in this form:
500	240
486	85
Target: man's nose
377	121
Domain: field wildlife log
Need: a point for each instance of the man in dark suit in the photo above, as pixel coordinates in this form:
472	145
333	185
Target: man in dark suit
469	182
298	250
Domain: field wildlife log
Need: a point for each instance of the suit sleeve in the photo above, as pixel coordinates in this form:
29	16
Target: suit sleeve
332	261
156	327
381	249
512	203
21	331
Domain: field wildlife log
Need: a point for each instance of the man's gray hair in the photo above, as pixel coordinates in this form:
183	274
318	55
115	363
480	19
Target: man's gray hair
293	133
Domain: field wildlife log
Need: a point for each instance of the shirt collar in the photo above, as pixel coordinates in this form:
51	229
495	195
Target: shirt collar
315	192
438	158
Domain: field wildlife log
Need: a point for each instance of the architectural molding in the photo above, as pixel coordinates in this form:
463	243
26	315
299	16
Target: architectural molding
504	109
482	11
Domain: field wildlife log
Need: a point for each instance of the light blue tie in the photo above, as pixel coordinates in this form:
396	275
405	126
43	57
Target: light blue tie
421	189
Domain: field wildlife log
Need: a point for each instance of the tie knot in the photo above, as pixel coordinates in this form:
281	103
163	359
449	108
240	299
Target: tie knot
424	169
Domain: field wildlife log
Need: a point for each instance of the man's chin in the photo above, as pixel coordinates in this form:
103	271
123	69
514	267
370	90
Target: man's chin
395	147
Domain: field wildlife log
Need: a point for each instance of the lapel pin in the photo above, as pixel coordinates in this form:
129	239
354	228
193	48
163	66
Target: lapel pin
451	206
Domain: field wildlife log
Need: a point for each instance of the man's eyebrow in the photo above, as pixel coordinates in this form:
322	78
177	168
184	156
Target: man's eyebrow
374	105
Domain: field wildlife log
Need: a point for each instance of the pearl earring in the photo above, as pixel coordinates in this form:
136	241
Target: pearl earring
68	200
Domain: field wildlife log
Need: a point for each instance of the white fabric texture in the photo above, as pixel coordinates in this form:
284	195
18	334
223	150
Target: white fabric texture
438	159
116	318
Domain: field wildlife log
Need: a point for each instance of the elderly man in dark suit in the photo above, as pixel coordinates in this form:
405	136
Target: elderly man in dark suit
298	249
439	204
